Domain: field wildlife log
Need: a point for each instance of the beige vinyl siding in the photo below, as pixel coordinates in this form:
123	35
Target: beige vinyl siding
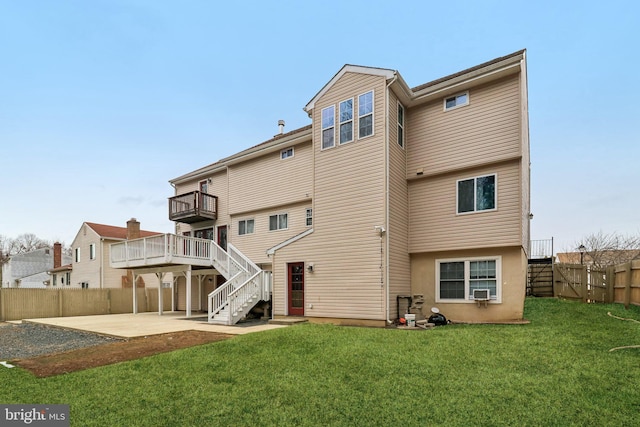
255	245
398	225
435	225
487	130
349	201
269	181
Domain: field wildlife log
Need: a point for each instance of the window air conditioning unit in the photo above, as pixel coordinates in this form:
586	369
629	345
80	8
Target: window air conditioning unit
481	294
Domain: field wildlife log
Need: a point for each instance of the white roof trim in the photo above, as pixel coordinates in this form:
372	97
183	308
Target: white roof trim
287	242
383	72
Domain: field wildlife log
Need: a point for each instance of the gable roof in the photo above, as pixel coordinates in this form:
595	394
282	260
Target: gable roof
113	232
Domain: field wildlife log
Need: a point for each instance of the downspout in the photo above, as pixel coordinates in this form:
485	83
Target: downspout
386	152
102	262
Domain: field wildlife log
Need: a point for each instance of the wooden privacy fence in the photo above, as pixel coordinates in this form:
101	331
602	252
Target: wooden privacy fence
619	284
17	304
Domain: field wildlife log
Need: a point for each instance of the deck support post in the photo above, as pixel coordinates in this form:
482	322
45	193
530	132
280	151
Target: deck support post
188	277
160	276
135	294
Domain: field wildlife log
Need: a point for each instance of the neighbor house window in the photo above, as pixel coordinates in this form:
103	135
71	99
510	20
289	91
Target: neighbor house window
456	279
346	121
278	222
245	226
365	115
309	217
456	101
285	154
477	194
400	125
92	251
328	120
77	254
84	285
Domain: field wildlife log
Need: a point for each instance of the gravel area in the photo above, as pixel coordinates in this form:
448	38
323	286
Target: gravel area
25	340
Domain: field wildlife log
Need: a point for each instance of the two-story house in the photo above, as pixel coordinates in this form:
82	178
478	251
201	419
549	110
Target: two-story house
392	190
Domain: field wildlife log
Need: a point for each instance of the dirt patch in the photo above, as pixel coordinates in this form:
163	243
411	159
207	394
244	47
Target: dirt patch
106	354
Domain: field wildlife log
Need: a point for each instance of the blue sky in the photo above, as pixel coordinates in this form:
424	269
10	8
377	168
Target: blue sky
102	102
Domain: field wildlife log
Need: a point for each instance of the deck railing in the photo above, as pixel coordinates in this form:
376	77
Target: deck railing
541	248
194	206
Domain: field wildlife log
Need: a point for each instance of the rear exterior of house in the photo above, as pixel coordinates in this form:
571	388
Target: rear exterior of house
391	191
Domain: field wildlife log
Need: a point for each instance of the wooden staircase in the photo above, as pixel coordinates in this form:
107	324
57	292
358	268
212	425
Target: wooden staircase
246	285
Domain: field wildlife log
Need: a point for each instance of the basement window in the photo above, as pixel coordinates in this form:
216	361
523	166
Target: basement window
456	279
456	101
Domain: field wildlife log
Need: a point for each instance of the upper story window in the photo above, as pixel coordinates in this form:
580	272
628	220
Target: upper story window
77	254
246	226
278	222
477	194
328	127
309	217
365	115
456	101
400	125
346	121
92	251
286	153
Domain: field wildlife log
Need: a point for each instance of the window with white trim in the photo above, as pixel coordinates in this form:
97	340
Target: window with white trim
456	279
476	194
365	114
92	251
400	125
278	222
286	153
246	226
328	127
456	101
77	254
346	121
309	217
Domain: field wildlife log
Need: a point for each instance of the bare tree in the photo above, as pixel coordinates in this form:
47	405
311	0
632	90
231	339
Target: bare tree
602	249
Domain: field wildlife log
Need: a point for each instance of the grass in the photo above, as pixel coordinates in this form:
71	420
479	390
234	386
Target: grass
558	370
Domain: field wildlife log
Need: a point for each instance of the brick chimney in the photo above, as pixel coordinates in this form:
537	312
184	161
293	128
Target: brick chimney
133	229
57	255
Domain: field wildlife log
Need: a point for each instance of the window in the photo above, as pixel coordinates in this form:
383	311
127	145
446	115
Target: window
278	222
365	115
400	125
84	285
456	101
456	279
346	121
285	154
77	254
328	118
477	194
245	226
309	217
92	251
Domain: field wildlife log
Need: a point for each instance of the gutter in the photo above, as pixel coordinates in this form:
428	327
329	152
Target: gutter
386	219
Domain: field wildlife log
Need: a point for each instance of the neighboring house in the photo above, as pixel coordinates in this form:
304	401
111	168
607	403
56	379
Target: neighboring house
90	267
29	270
392	191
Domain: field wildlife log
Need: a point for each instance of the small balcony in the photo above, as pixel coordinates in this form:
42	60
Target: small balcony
193	207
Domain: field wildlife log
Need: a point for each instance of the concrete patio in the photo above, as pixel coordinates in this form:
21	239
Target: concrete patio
143	324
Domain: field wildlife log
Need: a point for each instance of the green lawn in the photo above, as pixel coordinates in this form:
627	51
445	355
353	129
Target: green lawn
558	370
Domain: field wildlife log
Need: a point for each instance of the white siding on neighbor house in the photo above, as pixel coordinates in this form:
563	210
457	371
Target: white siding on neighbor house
436	226
487	130
349	200
398	224
269	181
